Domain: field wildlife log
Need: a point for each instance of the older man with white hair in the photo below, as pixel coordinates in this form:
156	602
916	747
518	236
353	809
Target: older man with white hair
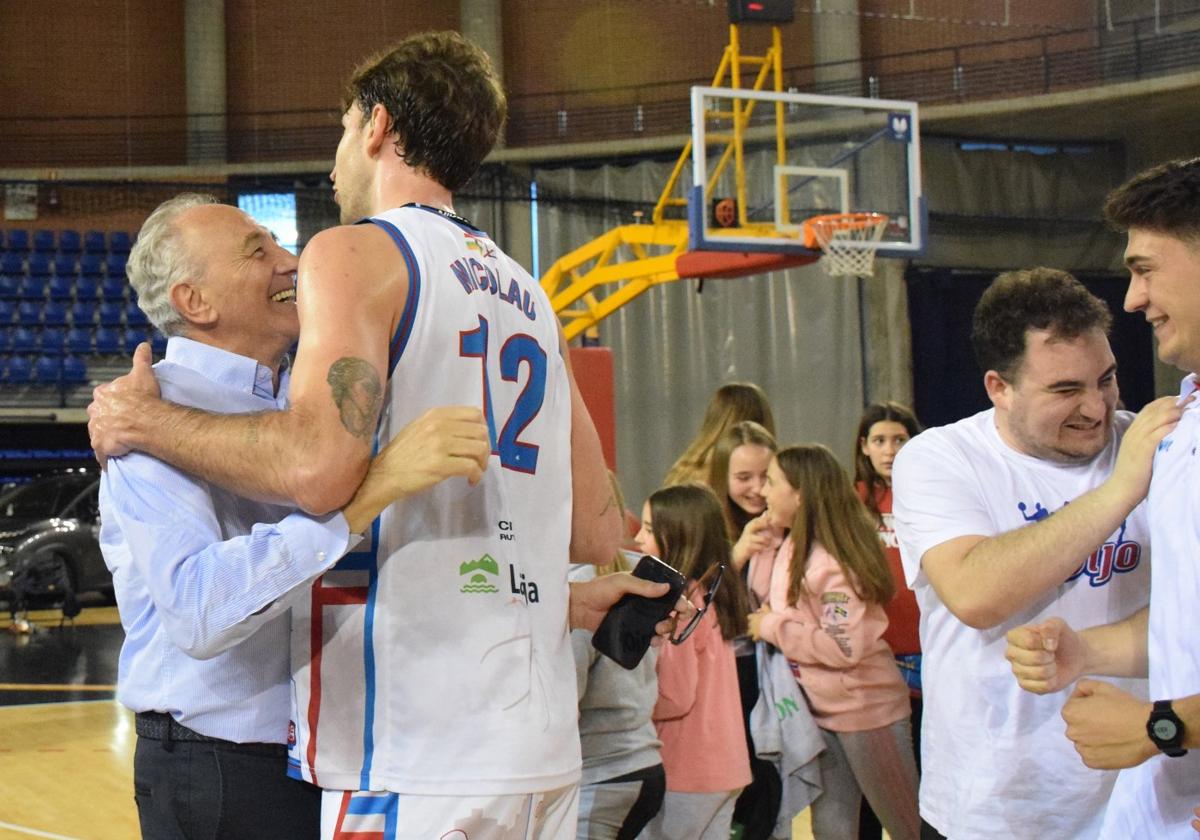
204	586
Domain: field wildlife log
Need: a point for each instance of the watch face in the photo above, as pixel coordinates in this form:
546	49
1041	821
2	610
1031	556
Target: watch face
1165	730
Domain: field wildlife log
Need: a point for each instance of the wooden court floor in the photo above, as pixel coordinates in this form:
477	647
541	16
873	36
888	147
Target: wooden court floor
66	744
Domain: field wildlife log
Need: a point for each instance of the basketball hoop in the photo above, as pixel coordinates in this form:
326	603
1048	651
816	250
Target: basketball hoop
847	240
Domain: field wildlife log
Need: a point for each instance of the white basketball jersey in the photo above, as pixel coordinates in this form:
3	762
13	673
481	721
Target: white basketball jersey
437	659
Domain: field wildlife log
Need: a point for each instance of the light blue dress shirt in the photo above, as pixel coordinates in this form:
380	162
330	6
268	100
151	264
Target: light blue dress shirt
204	578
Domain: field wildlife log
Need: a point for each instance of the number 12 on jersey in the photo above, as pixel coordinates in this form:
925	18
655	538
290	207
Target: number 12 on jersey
515	454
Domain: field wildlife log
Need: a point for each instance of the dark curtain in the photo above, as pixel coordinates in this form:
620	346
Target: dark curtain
947	383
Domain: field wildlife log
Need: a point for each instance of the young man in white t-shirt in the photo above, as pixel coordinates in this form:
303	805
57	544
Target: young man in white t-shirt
1156	795
1021	512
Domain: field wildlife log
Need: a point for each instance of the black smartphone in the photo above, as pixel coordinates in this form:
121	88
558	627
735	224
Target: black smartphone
626	632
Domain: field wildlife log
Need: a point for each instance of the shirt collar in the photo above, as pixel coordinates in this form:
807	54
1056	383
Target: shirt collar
225	368
1190	384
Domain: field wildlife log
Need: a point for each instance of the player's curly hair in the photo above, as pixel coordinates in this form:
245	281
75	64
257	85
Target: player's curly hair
443	99
1031	299
1164	199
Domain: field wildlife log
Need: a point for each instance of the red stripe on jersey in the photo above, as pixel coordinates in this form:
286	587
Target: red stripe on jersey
323	596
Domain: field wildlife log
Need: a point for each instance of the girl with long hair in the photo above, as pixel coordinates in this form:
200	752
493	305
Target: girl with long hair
737	473
698	713
731	403
824	589
882	430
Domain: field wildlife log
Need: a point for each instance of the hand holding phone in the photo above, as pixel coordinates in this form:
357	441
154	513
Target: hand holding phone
626	632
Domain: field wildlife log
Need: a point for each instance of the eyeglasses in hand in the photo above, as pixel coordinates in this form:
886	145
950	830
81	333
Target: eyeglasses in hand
708	597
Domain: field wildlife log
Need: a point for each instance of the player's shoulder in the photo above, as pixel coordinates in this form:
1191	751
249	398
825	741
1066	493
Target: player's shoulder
350	256
344	240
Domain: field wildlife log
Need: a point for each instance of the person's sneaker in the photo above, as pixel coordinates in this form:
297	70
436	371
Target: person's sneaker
20	627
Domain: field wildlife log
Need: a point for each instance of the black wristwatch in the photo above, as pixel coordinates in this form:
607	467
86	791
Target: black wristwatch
1166	729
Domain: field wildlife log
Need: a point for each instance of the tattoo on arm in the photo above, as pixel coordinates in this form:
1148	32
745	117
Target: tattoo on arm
358	395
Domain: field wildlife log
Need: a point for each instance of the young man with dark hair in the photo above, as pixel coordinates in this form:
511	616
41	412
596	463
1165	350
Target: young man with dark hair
1156	741
433	678
1024	510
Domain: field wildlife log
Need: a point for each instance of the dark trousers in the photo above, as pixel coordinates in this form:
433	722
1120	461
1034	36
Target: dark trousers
218	790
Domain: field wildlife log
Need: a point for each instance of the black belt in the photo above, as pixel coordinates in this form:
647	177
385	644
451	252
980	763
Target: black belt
158	726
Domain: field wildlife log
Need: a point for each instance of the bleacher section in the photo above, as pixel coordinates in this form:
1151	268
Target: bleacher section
68	317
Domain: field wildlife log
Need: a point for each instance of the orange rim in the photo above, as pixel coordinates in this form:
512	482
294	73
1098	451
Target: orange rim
838	221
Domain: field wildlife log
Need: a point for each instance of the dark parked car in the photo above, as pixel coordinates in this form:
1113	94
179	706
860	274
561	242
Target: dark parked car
53	520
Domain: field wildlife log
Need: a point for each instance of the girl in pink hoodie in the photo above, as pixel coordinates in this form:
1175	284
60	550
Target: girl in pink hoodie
823	590
699	713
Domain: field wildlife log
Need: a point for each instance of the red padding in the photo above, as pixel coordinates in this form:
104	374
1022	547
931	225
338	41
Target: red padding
718	264
593	369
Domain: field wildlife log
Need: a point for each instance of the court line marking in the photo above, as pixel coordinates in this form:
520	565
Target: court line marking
54	687
34	832
52	704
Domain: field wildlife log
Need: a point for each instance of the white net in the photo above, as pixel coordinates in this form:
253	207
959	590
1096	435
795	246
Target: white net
848	242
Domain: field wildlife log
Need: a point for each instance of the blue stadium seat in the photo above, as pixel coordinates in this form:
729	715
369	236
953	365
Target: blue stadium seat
113	288
17	240
7	308
29	313
87	288
68	242
158	342
43	240
8	286
65	263
24	340
91	265
83	313
132	338
74	370
51	341
93	242
39	264
33	287
18	371
54	313
115	265
134	316
119	241
5	339
79	340
12	264
62	287
47	370
108	341
110	313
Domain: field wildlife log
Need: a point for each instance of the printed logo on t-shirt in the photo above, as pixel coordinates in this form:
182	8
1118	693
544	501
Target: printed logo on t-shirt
1112	558
481	573
887	531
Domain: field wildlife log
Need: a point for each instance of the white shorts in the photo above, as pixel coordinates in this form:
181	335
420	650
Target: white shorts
371	815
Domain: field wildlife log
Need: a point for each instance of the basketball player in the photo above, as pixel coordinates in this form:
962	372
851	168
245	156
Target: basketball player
1022	511
434	691
1156	795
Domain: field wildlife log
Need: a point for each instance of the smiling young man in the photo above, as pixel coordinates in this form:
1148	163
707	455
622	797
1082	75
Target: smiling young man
1021	511
1157	741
